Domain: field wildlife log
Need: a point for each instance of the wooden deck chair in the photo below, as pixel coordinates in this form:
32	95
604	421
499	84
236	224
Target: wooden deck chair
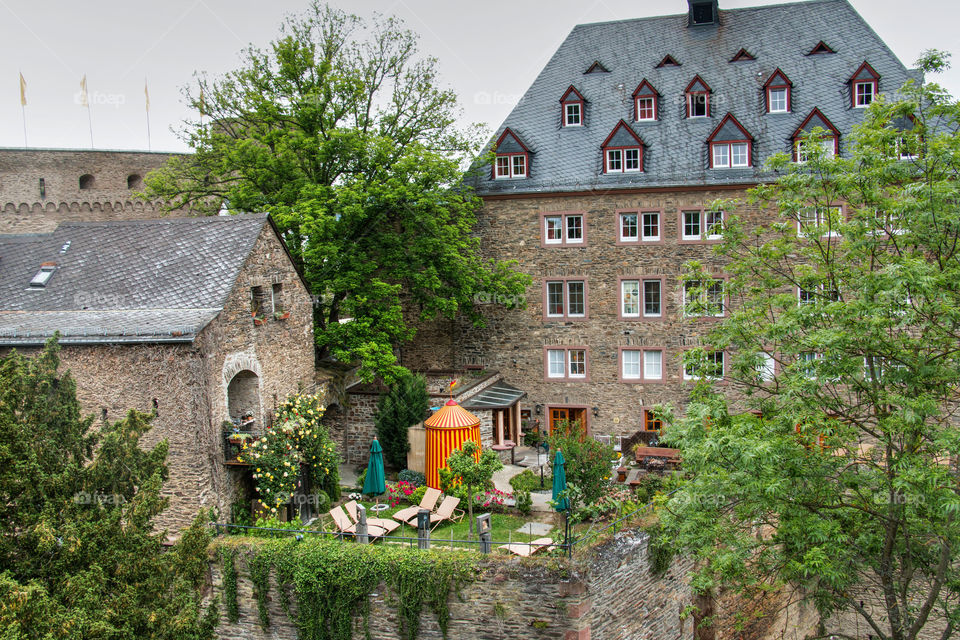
428	502
387	525
343	524
529	549
446	512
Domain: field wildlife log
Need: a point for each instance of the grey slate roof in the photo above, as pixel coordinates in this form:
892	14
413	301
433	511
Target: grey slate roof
676	153
123	281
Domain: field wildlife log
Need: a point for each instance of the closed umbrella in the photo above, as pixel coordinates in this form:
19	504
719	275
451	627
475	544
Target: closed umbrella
559	483
374	484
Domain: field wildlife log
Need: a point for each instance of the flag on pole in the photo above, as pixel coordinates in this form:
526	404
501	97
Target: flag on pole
83	92
23	91
203	104
146	94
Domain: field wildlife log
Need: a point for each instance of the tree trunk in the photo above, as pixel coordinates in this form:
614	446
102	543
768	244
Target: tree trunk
704	604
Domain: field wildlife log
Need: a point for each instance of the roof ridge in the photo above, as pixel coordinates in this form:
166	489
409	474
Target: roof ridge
722	11
246	217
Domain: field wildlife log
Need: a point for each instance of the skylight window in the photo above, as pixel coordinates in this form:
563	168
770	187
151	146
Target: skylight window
43	276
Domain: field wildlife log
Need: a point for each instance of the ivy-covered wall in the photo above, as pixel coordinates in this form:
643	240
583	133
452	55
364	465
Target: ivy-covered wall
504	597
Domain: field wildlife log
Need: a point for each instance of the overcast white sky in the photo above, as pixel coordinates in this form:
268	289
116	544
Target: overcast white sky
489	53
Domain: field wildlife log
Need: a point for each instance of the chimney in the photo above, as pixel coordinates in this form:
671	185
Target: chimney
703	12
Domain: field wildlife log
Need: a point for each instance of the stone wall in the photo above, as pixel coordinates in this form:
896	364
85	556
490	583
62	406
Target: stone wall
514	341
25	208
531	599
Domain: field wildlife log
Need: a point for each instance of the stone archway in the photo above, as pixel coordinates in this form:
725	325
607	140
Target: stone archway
243	395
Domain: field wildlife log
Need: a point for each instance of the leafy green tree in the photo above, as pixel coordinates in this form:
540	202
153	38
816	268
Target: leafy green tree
587	462
340	131
404	405
473	473
79	557
847	487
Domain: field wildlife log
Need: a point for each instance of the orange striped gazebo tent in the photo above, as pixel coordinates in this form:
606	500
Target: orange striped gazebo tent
448	429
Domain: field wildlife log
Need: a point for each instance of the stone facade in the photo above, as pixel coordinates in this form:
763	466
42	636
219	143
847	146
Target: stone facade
607	595
514	341
28	205
189	382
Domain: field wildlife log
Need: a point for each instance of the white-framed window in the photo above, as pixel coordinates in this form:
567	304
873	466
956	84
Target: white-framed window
652	299
621	160
563	229
700	301
712	367
646	108
806	296
641	364
566	298
567	363
629	227
822	221
767	368
702	225
630	298
730	155
807	363
572	114
698	105
863	94
511	166
650	228
828	144
691	225
777	100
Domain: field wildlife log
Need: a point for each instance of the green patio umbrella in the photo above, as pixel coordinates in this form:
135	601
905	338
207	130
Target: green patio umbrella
559	482
373	484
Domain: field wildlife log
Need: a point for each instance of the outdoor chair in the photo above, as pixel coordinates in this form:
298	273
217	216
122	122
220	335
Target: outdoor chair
387	525
343	524
529	549
446	512
428	502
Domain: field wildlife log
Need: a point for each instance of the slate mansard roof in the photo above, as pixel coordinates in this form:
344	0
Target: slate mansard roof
676	152
131	281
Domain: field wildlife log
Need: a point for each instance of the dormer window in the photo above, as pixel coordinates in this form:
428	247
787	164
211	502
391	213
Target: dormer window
43	276
866	86
742	56
698	98
703	12
622	150
829	138
820	48
730	145
778	89
572	108
668	61
645	102
596	67
512	157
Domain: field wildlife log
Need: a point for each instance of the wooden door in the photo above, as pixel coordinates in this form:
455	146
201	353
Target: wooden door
558	415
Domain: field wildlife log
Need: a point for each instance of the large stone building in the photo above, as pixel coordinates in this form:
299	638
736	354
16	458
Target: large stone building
157	315
603	178
40	188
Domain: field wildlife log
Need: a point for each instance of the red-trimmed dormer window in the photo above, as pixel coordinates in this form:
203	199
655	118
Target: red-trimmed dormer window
742	56
821	48
777	91
698	98
668	61
730	145
865	85
512	157
622	150
829	139
571	105
645	108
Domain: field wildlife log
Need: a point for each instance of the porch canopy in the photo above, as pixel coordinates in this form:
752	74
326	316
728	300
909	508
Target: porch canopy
497	396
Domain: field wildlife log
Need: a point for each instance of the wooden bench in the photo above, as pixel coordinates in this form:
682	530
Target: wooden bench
672	456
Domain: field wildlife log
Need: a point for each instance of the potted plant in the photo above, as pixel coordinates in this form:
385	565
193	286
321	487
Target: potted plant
281	315
239	438
259	320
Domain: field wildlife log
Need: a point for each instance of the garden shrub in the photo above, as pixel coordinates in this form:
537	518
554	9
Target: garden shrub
275	523
417	495
361	479
400	492
524	501
587	462
415	478
529	481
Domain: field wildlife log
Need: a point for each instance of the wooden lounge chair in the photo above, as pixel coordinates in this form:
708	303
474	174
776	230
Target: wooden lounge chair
428	502
446	512
387	525
528	549
344	525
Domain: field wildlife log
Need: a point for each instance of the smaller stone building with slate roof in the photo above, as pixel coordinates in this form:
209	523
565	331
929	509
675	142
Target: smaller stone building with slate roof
159	315
603	179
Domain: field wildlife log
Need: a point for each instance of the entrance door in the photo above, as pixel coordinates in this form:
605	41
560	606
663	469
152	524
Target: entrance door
575	418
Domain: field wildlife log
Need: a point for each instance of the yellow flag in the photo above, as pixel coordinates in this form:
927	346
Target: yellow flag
83	92
146	94
203	104
23	91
